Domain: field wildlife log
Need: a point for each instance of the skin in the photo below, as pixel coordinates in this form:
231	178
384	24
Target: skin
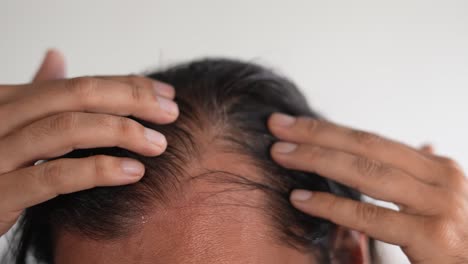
431	191
85	112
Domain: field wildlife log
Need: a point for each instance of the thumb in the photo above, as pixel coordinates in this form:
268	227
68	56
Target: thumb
52	67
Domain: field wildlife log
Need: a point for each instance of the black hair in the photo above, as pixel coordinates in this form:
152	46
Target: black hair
230	101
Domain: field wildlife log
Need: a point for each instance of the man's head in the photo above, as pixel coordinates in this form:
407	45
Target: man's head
215	195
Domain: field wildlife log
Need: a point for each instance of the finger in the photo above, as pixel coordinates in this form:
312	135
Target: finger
33	185
59	134
7	92
88	94
322	133
371	177
161	88
377	222
52	67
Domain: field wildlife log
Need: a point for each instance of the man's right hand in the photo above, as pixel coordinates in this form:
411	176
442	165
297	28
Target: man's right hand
49	118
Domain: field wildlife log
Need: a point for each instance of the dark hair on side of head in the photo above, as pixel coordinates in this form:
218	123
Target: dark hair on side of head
232	96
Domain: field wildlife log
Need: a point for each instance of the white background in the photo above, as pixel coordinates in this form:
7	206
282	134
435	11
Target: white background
399	68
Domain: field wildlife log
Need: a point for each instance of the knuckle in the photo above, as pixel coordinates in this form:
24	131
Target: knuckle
141	82
136	92
123	126
101	164
445	232
134	79
316	153
51	175
366	138
367	213
84	88
333	203
120	128
310	125
63	121
369	168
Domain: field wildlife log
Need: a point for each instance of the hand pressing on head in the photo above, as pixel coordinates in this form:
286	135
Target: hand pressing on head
431	225
53	116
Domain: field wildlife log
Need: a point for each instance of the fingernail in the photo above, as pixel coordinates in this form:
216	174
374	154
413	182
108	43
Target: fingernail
164	89
282	120
301	195
155	138
132	167
284	147
168	106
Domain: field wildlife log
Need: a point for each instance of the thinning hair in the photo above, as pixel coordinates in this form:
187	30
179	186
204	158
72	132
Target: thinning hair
226	101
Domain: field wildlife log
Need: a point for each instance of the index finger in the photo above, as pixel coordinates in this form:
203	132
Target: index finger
137	97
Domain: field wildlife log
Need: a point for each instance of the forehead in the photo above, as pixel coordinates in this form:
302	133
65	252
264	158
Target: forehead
189	235
209	222
211	231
